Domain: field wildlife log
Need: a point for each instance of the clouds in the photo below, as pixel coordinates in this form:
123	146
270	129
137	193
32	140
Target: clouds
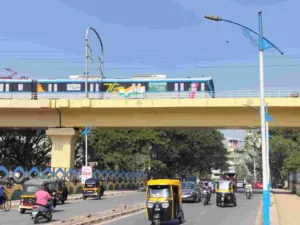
155	14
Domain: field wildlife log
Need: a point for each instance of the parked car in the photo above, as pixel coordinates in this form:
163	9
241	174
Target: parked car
190	191
258	185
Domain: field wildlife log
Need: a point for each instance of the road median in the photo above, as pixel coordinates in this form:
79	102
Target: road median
16	203
96	218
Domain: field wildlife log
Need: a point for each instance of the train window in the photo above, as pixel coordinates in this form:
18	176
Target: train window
49	87
181	86
202	86
20	87
91	87
133	87
55	87
6	87
1	87
176	87
139	88
97	87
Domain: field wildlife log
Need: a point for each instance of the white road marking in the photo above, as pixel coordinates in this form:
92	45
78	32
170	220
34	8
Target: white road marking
122	217
202	212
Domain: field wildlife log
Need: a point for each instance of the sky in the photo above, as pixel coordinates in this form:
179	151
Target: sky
46	39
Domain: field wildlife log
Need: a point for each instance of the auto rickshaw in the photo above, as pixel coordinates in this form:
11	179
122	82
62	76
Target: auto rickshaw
164	201
30	187
93	188
62	190
225	193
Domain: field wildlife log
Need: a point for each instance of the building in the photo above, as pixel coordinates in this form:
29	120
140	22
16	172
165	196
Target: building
235	149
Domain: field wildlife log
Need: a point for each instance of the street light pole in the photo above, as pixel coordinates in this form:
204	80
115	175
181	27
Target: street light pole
254	164
86	132
267	148
101	59
266	192
262	44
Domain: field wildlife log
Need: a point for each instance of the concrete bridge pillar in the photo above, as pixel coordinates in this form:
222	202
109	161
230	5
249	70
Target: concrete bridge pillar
63	147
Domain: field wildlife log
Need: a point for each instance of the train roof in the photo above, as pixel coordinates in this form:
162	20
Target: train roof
206	79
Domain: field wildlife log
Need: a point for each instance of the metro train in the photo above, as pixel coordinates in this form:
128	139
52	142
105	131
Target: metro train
154	86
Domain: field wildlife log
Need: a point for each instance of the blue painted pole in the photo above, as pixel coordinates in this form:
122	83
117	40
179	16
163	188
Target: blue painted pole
86	145
268	152
266	193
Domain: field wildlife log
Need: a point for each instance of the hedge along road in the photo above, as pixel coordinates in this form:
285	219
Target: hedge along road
74	208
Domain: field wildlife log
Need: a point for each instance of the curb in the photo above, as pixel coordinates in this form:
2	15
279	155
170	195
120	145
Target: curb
259	219
102	218
16	203
274	219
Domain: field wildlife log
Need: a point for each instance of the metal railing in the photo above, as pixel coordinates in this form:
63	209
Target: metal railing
155	95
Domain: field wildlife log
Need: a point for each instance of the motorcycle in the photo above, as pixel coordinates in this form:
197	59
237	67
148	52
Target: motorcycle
248	193
205	196
41	211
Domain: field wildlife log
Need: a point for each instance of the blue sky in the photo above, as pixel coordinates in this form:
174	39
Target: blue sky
45	39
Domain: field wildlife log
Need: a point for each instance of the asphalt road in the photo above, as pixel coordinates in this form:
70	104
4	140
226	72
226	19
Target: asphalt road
196	213
73	208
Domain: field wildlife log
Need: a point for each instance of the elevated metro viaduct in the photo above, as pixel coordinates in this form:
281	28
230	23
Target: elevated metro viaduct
63	117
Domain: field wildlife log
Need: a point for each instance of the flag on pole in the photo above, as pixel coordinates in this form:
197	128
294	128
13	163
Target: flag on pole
266	44
86	131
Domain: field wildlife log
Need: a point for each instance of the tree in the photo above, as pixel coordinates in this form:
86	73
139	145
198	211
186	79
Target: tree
26	148
168	152
284	144
291	164
242	170
253	150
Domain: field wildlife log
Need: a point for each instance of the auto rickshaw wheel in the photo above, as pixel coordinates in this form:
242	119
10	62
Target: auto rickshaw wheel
84	198
22	211
234	203
181	218
62	201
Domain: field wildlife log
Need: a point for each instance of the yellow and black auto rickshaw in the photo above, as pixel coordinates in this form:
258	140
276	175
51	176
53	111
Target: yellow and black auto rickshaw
62	190
164	201
30	187
225	193
93	188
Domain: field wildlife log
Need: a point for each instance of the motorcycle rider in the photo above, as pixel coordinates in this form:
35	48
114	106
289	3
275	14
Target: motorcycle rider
42	197
248	185
209	190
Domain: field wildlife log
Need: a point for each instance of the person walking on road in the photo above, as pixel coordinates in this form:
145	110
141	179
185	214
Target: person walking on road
2	195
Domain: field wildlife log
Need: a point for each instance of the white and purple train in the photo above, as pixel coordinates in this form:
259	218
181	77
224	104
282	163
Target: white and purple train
154	86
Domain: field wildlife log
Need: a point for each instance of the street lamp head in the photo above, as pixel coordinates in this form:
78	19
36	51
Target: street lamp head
215	18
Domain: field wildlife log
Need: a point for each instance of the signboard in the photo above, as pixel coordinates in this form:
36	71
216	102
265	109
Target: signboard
240	185
73	87
86	173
